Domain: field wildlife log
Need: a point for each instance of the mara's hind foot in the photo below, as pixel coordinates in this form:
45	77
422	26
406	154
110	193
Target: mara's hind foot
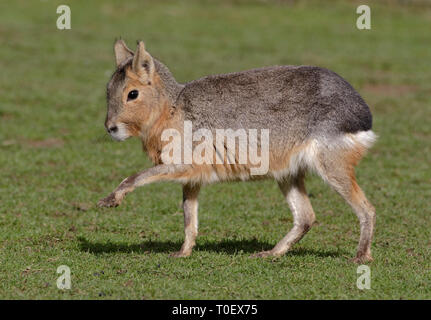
362	257
181	254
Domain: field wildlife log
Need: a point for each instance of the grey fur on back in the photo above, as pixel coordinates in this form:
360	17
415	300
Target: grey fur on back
300	101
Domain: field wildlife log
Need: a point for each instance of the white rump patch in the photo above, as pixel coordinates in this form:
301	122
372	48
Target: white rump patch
306	159
366	138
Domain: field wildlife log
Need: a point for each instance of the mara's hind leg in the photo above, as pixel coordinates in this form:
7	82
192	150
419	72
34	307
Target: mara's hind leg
339	172
303	215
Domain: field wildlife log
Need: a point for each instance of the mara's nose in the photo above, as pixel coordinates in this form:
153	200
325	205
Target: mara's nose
112	129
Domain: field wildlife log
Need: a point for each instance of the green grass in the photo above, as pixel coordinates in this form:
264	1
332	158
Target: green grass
56	161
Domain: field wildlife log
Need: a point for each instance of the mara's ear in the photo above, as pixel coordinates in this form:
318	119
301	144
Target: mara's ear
122	53
143	63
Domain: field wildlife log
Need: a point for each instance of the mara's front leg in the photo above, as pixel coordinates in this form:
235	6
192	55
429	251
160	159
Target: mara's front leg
162	172
190	208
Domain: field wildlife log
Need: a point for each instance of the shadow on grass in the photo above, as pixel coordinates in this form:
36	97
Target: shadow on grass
226	246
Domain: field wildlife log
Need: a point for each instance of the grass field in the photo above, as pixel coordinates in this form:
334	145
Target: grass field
56	160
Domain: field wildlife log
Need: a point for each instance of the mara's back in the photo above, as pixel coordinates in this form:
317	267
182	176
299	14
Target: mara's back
291	101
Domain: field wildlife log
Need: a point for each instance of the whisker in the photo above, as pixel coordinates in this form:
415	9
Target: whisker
104	138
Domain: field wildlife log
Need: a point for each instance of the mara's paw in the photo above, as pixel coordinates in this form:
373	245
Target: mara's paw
109	202
363	258
264	254
181	254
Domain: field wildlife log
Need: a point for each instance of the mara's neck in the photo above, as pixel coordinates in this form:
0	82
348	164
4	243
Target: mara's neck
151	135
172	87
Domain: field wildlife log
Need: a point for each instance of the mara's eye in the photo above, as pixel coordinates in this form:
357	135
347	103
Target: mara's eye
132	95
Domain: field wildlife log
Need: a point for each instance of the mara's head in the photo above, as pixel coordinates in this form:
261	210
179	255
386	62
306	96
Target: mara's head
133	93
